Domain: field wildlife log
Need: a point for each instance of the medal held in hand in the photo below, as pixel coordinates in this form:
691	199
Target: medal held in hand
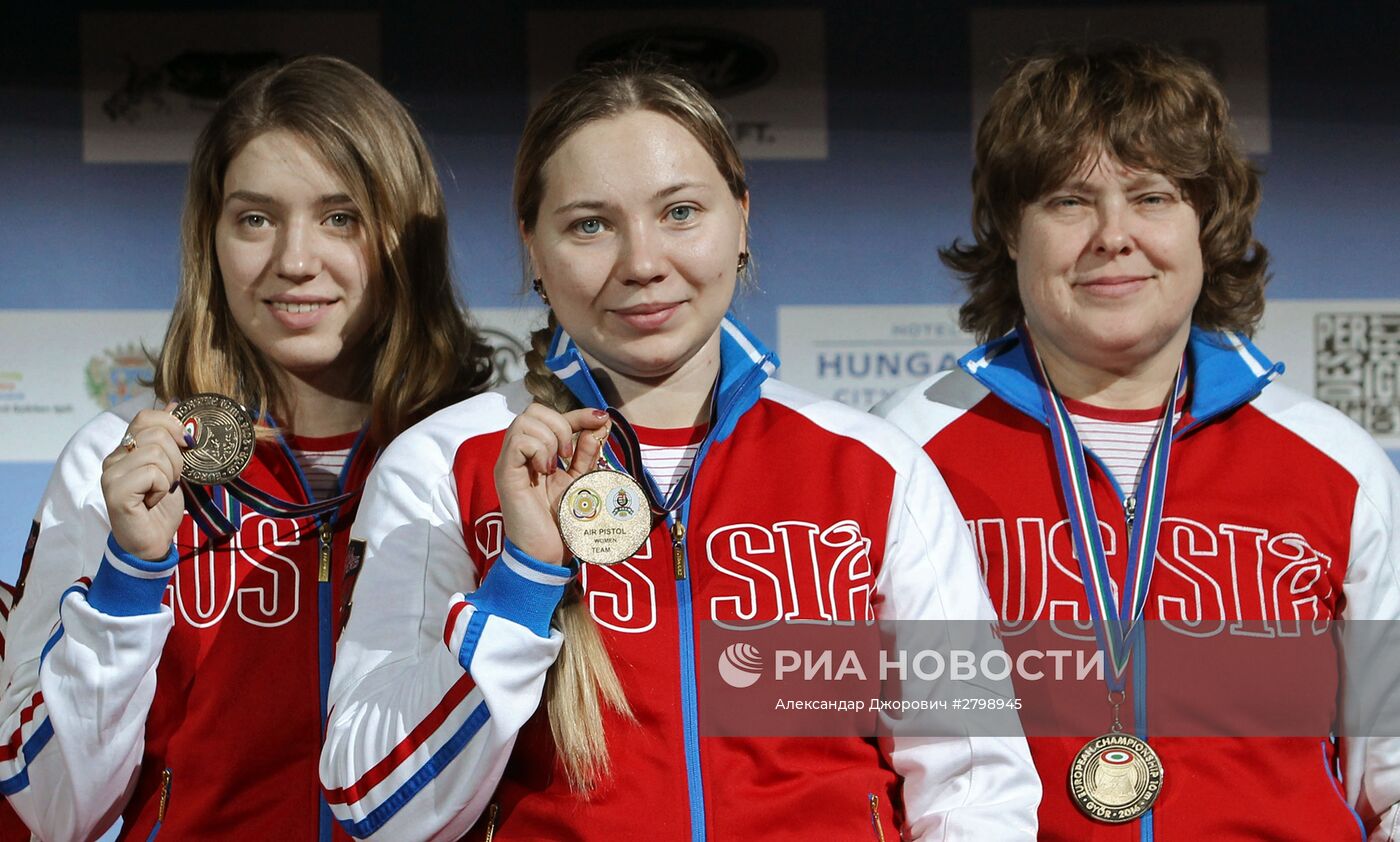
223	438
604	517
1115	778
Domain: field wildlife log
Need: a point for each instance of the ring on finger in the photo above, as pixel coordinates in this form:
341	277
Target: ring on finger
128	442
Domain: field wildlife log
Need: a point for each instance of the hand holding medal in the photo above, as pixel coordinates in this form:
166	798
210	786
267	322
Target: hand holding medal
530	481
141	484
206	439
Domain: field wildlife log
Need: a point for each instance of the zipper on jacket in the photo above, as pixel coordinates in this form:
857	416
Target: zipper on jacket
875	817
491	814
678	548
325	550
163	805
685	610
1130	510
690	715
325	652
164	796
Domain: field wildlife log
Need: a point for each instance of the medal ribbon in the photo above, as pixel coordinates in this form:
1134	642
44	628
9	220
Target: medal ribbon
623	438
1114	624
212	520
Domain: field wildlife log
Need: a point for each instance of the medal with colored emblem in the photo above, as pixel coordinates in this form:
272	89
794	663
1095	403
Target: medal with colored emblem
607	515
222	432
604	517
1115	778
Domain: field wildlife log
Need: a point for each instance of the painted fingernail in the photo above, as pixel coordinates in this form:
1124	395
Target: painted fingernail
189	439
600	413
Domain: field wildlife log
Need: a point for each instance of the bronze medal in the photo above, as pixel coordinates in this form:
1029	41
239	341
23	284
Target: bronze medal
604	517
223	438
1115	778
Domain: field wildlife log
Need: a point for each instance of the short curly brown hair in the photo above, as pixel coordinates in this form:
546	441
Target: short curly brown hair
1150	109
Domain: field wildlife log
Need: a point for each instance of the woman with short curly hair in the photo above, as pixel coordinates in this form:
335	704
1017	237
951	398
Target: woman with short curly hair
1127	461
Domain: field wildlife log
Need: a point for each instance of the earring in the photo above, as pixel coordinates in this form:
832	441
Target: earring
743	260
538	285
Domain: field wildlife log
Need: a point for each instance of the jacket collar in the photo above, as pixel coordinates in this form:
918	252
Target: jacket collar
1226	370
744	363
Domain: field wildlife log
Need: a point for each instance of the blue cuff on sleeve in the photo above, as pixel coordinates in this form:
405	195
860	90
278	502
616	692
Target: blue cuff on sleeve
126	585
521	589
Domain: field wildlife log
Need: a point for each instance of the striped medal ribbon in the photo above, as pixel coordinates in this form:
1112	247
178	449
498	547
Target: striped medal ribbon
1114	623
624	453
208	505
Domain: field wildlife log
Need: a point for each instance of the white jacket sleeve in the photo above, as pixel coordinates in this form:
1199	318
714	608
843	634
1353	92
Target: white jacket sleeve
1371	635
430	686
970	786
81	655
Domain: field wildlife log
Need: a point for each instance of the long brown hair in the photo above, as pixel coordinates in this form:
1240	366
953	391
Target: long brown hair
425	353
1151	110
582	679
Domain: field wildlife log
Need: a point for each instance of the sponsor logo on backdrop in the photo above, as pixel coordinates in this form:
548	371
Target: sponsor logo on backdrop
118	374
61	367
862	355
765	68
1346	352
151	80
1358	365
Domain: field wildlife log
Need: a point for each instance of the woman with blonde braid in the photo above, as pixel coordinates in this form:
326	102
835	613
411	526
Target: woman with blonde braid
633	207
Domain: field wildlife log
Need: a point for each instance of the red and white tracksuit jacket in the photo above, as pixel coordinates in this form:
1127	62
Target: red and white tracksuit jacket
185	695
437	716
11	828
1278	510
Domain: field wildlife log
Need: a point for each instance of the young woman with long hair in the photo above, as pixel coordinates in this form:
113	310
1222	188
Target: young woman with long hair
633	207
169	659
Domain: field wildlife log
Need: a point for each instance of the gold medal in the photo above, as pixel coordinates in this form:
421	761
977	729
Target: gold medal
1115	778
223	438
604	517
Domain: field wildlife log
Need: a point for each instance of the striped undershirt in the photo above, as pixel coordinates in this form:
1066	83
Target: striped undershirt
668	454
1119	437
322	460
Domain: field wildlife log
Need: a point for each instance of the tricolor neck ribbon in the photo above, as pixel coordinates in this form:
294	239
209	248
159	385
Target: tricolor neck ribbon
212	517
623	452
213	520
1115	624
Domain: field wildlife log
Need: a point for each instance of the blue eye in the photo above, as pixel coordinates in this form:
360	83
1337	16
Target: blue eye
341	219
681	213
254	220
589	226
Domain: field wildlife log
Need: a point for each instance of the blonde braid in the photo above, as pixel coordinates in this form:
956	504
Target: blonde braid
583	673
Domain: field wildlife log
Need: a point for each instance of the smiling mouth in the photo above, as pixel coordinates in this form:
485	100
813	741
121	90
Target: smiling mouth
647	309
1116	280
298	306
